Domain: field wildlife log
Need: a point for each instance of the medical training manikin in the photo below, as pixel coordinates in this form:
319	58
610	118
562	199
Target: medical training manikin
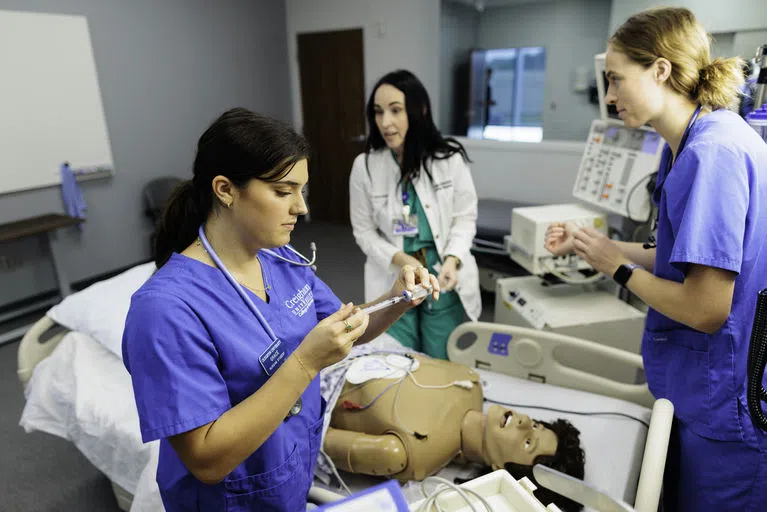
410	425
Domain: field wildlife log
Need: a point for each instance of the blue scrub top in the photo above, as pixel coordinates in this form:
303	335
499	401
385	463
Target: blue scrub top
192	347
712	212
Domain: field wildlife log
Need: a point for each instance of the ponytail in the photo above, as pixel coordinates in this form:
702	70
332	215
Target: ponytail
177	229
720	83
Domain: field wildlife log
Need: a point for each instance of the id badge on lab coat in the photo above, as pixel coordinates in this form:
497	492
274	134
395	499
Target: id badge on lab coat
406	226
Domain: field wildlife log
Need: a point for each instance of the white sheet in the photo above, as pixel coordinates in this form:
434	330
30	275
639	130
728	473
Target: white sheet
83	393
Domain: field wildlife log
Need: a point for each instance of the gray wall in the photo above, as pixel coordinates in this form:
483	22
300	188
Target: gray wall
572	31
459	28
166	69
716	16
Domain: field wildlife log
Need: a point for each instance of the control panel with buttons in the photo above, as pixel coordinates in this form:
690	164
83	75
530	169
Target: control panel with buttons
615	167
499	344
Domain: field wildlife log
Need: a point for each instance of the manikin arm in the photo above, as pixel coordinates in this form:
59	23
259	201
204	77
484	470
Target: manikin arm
355	452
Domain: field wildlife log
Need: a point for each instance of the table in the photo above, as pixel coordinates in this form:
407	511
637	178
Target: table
46	225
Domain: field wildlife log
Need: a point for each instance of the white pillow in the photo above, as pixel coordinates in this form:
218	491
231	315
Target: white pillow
100	310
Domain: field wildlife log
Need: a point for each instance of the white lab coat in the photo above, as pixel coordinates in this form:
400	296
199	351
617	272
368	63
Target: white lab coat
450	203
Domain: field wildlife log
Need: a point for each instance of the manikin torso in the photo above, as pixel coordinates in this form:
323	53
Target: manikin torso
434	414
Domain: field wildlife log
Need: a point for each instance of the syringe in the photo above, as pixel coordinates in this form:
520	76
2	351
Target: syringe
418	293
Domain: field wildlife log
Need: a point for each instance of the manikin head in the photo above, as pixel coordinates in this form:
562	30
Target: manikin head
513	441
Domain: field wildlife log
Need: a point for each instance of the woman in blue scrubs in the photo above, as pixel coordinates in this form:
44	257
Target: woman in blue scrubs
225	342
702	279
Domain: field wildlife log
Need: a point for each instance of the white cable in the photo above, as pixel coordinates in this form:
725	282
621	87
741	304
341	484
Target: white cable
396	409
465	384
586	280
431	499
335	473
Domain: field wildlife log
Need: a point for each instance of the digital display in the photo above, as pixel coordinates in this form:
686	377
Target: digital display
632	139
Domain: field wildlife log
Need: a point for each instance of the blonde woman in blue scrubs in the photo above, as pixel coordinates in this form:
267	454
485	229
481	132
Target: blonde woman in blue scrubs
702	279
413	202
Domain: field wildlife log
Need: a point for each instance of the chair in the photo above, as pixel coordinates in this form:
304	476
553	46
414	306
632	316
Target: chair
156	193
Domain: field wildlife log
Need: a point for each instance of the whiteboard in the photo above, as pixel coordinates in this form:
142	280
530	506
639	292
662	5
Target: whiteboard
50	103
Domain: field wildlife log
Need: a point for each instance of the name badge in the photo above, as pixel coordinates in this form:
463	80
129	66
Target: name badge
273	357
406	227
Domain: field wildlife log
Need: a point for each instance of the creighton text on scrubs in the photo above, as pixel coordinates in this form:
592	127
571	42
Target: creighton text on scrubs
301	301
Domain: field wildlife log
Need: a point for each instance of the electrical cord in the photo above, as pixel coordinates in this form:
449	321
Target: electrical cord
445	486
586	280
335	473
580	413
650	182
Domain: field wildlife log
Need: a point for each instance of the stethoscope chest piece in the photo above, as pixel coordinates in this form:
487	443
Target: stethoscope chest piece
295	409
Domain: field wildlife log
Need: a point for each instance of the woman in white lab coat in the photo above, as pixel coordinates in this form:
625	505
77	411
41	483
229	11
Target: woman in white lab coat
413	203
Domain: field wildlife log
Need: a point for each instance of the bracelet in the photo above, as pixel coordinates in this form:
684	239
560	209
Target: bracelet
298	358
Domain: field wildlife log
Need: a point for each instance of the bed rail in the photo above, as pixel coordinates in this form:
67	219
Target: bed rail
540	355
37	344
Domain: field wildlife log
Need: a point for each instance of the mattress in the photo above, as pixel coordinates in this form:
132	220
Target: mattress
82	393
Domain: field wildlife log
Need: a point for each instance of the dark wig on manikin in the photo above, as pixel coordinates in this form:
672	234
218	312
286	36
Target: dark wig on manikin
568	459
423	141
240	145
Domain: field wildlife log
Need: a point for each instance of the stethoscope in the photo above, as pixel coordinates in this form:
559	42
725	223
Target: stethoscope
650	244
249	302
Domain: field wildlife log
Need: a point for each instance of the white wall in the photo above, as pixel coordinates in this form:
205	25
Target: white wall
715	15
396	34
538	173
572	31
746	42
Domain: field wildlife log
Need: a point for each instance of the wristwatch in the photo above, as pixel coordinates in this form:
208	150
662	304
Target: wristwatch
623	274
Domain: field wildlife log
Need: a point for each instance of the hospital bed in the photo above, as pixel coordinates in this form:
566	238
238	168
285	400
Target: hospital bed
78	389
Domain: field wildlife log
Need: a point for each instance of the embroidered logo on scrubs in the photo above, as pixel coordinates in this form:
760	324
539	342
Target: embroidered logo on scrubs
300	303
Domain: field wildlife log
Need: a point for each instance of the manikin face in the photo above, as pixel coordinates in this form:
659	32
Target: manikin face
266	212
633	89
513	437
391	116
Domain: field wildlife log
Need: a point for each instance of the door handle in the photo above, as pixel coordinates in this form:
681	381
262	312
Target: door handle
358	138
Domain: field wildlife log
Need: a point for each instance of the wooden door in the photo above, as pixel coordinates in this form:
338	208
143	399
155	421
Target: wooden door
332	82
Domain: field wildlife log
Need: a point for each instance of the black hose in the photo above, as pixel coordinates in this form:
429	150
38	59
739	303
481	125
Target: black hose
757	359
